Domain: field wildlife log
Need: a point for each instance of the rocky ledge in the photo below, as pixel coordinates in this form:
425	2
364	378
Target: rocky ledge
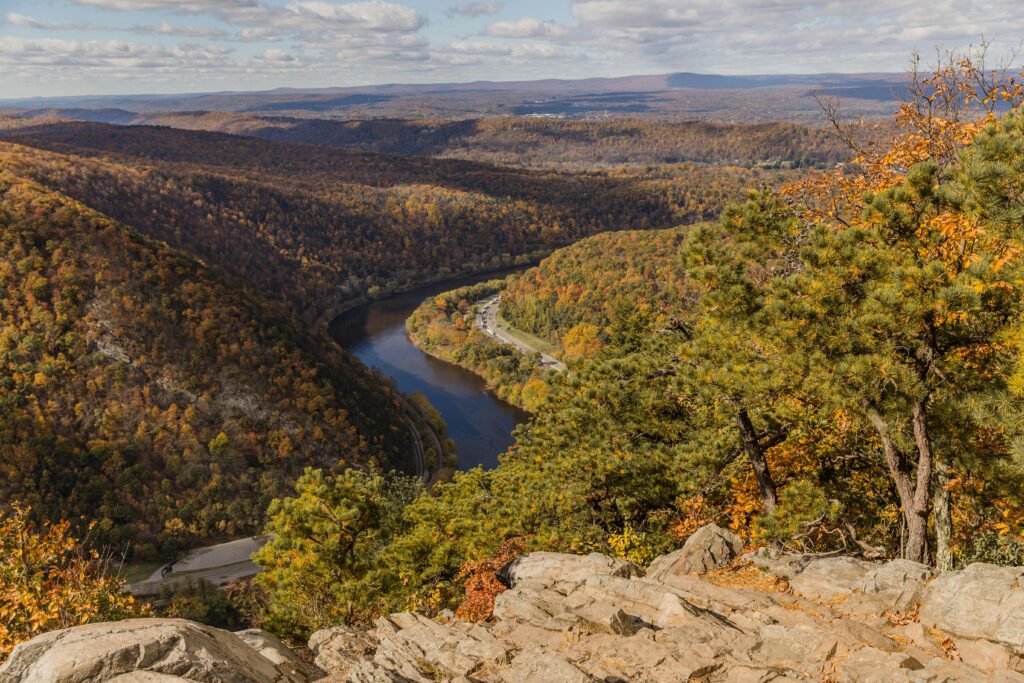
702	613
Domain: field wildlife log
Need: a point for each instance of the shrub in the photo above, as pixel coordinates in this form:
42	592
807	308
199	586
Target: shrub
49	580
803	519
993	548
481	583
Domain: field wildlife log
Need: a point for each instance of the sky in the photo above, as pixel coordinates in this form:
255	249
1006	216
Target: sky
101	47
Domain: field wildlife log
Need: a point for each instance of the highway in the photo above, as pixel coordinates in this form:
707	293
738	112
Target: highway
219	564
487	321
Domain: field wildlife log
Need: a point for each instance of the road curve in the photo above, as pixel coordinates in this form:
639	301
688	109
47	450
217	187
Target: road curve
219	564
487	322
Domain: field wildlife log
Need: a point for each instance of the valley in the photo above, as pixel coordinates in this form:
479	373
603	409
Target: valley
548	371
478	422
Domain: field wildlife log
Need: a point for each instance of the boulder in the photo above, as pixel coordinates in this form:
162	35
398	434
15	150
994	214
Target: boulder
339	649
708	548
806	649
981	602
827	579
368	672
546	567
639	658
143	650
416	647
745	673
647	603
574	619
782	565
895	586
270	647
871	665
986	655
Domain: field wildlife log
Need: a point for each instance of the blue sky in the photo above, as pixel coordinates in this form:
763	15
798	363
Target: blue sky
79	47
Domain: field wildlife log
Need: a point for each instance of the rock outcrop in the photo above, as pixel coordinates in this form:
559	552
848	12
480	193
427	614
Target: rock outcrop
982	609
762	618
157	650
566	618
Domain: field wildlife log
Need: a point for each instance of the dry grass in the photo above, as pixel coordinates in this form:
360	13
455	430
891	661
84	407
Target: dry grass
746	575
902	618
944	643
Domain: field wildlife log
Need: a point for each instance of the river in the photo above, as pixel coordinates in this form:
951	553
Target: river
478	421
480	424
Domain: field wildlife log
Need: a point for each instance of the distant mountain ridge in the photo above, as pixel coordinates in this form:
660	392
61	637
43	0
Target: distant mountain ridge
872	86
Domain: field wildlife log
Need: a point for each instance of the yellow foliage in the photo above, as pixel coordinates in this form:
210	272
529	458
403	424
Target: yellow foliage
947	109
631	545
581	341
49	581
693	514
744	575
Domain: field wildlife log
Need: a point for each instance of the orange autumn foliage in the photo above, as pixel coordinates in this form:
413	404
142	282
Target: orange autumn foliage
694	513
948	106
481	584
49	581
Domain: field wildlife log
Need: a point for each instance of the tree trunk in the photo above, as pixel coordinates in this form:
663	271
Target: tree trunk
913	495
755	453
923	487
917	536
943	518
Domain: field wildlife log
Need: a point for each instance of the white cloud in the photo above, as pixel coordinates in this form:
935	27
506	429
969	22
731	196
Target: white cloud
527	27
24	54
23	21
163	28
339	42
376	16
755	36
173	5
257	35
166	29
541	51
299	15
475	9
480	48
278	56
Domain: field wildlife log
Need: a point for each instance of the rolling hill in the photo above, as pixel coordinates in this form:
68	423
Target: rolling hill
144	392
320	229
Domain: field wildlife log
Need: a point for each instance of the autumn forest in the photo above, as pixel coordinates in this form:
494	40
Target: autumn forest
811	334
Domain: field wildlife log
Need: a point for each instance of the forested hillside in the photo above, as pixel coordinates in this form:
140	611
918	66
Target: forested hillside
139	390
444	326
551	142
612	288
525	141
320	228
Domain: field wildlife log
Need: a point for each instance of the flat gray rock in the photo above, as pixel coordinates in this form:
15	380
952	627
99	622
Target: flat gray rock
550	567
983	601
830	578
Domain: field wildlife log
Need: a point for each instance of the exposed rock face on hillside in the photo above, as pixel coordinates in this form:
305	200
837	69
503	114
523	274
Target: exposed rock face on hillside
572	618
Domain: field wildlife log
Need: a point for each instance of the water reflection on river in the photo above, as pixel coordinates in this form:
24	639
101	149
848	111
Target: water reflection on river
480	424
